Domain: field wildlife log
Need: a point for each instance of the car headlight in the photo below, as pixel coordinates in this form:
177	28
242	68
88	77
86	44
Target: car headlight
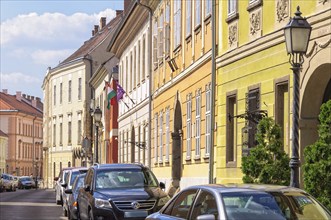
162	201
101	203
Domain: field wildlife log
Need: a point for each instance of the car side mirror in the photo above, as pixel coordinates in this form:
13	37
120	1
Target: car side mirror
162	185
206	217
56	178
68	191
87	188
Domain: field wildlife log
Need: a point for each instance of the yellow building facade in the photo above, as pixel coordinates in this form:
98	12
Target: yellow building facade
181	87
254	77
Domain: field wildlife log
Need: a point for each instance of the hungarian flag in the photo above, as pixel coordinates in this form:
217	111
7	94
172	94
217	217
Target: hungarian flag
111	93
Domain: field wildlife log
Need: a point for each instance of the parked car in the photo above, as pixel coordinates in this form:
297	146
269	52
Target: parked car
15	180
68	182
250	201
2	187
26	182
8	182
120	191
72	196
59	180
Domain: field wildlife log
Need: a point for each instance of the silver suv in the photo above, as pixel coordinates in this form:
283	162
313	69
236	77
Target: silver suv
59	180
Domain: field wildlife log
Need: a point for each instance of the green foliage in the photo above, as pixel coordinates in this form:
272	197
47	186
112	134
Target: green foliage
317	175
267	162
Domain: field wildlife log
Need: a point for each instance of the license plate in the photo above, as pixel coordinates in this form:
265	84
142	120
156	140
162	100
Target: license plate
135	214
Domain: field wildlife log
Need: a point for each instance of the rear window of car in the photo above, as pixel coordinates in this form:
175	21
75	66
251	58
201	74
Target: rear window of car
251	205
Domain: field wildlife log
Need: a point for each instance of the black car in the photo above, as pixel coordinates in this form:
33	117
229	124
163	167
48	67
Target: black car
120	191
26	182
72	198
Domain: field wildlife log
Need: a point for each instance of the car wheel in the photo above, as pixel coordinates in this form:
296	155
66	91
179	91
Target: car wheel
90	215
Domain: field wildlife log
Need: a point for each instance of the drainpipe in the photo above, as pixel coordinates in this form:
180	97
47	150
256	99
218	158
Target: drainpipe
150	82
213	84
87	113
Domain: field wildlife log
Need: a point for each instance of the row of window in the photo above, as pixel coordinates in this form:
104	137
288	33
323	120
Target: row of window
253	105
26	150
133	147
161	26
162	130
28	129
68	131
79	92
134	65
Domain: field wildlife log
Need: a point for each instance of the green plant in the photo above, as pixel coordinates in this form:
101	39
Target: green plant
267	162
317	166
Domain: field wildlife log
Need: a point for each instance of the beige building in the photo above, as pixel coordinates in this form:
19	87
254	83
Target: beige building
3	151
21	120
67	98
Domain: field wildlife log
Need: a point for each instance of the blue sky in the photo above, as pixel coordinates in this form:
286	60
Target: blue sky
36	35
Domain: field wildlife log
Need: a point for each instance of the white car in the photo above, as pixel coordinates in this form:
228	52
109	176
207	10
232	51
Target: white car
8	182
59	189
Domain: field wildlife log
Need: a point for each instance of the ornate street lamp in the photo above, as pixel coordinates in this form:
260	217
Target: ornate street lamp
97	115
297	34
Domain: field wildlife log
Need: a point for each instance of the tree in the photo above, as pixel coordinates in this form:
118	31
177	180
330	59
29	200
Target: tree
317	166
267	162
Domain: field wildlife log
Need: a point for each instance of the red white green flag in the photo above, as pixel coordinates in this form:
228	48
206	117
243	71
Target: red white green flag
111	93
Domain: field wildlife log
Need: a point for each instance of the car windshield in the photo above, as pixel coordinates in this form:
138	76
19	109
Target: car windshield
26	179
273	206
112	179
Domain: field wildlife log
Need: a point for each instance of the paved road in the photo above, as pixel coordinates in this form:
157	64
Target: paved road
30	204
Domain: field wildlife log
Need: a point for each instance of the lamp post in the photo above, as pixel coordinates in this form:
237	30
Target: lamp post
297	34
97	114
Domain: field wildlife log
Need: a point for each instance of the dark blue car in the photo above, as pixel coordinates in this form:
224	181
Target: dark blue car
72	198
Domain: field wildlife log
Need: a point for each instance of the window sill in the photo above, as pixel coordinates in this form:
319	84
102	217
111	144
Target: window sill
207	19
197	29
254	5
232	17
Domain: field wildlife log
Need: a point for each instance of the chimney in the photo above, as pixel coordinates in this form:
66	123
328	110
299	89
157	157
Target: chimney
28	97
93	33
19	96
102	22
34	103
32	97
96	29
5	91
119	12
24	96
38	99
127	4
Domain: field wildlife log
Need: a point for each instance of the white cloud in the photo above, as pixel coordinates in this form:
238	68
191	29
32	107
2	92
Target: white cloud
50	27
50	57
18	78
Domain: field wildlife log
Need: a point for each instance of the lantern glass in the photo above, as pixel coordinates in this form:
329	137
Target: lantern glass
297	34
97	115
